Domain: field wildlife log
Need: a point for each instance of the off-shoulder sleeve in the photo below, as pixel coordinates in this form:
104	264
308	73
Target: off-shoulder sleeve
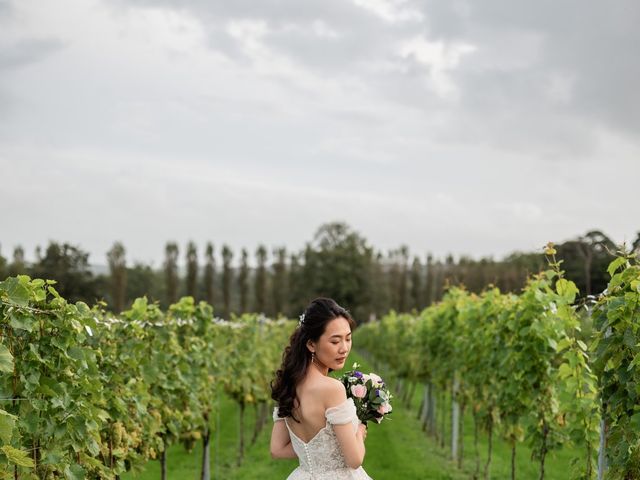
275	415
343	413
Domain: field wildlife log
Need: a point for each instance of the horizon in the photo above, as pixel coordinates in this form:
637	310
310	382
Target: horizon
181	263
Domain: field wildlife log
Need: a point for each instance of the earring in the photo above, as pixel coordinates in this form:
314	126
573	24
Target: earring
313	357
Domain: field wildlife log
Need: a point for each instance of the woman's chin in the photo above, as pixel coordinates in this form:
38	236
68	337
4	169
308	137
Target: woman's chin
339	364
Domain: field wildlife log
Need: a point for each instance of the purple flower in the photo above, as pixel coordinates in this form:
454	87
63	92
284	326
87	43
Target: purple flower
357	374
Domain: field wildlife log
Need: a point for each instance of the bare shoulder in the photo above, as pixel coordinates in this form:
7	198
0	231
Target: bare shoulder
332	391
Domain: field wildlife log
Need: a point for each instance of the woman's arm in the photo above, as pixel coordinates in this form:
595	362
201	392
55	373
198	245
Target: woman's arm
281	446
351	443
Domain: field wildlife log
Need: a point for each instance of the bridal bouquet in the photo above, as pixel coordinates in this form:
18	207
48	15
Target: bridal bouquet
370	394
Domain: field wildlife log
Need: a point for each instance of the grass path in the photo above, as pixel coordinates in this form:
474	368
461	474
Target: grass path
396	449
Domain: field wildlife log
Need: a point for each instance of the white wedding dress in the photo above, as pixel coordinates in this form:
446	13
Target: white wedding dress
321	457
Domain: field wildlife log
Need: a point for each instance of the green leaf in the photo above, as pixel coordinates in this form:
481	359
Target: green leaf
617	263
21	322
16	292
7	422
18	457
74	472
53	457
564	371
635	421
6	359
567	289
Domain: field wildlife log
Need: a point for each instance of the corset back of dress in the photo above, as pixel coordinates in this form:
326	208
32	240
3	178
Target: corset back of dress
322	453
321	457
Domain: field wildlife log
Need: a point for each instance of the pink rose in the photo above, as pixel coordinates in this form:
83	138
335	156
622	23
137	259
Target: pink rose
358	391
384	408
377	381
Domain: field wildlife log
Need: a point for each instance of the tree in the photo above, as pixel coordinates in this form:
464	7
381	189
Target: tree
339	265
3	267
192	270
171	272
393	279
280	281
17	266
416	284
439	279
69	266
635	246
585	260
261	279
118	269
142	281
209	275
243	280
403	258
429	286
380	292
297	289
227	273
595	247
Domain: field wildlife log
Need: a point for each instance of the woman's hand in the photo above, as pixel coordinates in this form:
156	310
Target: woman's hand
362	431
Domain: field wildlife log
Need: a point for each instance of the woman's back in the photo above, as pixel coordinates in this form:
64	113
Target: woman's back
313	419
321	457
312	393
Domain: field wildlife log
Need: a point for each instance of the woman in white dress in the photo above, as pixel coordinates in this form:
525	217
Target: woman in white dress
313	420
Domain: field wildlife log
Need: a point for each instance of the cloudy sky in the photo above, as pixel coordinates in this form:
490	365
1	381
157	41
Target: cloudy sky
472	127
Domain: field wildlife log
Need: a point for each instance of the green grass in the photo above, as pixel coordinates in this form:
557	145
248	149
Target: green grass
397	448
557	463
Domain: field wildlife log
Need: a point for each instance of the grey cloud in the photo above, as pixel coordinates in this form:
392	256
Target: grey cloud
274	11
5	9
590	43
506	87
361	36
27	51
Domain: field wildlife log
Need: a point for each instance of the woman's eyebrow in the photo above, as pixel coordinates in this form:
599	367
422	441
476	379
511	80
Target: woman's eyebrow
338	335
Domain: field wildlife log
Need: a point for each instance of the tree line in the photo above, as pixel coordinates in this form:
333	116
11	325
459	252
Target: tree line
338	262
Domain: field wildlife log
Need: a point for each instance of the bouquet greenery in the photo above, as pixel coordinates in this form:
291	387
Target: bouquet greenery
369	393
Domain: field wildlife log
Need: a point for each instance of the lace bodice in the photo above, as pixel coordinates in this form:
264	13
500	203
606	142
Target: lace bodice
321	458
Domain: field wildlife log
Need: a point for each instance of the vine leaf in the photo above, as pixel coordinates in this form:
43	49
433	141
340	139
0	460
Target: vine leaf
7	422
16	292
617	263
74	472
6	359
17	456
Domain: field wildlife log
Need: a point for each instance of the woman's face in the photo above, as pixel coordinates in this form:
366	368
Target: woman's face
333	346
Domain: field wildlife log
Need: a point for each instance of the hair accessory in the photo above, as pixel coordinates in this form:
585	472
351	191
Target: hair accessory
301	321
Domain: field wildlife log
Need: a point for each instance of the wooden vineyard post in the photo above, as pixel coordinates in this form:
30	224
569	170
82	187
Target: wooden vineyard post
602	459
455	418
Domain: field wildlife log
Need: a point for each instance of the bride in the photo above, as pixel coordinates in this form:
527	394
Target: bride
313	420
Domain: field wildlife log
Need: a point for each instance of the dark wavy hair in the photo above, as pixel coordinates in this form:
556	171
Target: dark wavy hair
297	357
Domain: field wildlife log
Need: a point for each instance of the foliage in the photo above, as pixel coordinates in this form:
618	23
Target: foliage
617	364
518	359
89	394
